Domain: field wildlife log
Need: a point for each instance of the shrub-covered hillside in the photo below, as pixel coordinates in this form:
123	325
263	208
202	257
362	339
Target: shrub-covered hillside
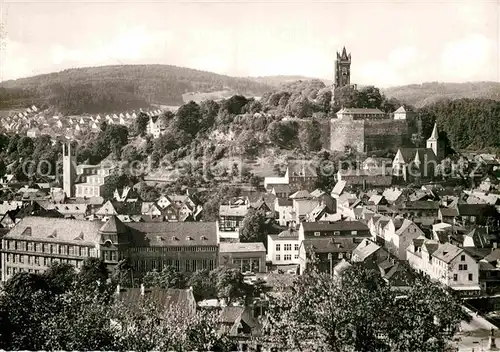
110	88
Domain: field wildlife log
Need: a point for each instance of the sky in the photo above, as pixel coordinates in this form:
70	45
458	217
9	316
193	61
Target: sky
391	42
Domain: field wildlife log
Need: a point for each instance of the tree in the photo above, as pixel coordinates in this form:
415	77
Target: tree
230	285
129	153
169	277
417	139
282	134
141	124
353	312
113	182
93	274
324	100
60	277
203	283
310	136
123	274
209	110
25	303
254	228
188	118
326	172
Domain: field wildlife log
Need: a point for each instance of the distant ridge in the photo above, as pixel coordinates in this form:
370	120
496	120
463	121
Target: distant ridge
427	93
118	87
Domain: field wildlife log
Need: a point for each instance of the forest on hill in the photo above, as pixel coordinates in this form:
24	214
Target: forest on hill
472	124
121	87
420	95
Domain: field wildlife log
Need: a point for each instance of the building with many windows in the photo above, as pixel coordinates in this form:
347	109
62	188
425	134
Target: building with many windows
283	249
36	242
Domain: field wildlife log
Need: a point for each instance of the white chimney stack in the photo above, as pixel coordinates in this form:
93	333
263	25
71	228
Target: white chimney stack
118	289
142	289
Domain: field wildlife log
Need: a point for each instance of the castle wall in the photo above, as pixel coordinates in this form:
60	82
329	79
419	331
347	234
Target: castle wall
325	133
347	133
385	134
367	135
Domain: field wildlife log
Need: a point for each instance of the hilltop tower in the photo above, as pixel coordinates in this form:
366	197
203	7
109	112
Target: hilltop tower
342	69
435	144
69	172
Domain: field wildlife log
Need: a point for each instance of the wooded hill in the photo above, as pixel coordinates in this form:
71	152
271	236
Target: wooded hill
121	87
420	95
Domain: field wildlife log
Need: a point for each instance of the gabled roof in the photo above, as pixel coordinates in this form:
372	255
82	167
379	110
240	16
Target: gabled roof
338	188
169	298
114	225
365	249
447	252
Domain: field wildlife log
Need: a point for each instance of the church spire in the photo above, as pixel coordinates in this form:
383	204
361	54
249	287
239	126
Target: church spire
434	134
344	53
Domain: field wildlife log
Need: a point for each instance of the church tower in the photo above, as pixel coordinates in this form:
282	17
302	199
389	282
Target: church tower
69	172
435	144
342	69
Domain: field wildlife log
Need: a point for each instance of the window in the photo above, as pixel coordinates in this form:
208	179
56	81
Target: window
317	233
455	277
336	233
462	257
341	255
354	232
348	255
37	260
296	256
114	255
296	246
288	247
462	267
288	257
204	264
278	257
278	247
21	259
470	277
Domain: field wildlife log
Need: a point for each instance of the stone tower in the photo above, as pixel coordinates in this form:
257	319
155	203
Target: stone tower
342	69
435	144
69	172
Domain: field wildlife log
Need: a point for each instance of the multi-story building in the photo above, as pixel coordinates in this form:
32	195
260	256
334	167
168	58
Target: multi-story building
94	185
35	242
446	263
328	243
283	249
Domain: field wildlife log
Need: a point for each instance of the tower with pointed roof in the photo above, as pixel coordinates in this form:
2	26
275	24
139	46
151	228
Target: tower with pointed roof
342	69
69	172
435	144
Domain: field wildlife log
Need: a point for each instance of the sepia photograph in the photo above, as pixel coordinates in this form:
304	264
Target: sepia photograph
261	176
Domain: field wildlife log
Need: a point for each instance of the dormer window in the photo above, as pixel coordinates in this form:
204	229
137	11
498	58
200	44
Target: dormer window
203	238
189	238
174	238
317	233
159	238
336	233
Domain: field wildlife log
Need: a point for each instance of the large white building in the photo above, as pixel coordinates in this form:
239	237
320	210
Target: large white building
283	249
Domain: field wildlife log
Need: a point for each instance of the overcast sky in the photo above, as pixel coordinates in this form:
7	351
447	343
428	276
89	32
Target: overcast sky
392	42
